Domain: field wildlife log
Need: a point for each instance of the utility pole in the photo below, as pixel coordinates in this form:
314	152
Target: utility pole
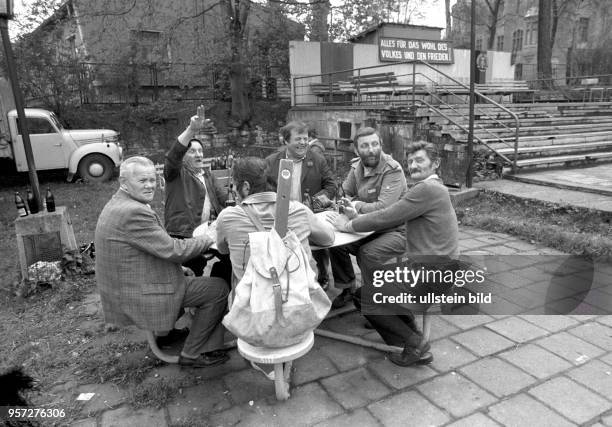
470	142
6	13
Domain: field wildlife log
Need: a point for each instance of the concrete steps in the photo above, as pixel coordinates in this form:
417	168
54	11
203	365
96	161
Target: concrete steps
549	133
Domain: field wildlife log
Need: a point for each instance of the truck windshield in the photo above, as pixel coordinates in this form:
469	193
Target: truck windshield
56	121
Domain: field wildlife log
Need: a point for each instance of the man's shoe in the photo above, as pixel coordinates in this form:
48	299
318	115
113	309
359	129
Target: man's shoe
173	337
341	300
204	360
410	356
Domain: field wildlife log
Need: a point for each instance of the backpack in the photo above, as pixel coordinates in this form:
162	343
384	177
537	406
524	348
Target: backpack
278	300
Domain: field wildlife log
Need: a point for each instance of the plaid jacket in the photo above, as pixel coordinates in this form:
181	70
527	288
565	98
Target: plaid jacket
138	265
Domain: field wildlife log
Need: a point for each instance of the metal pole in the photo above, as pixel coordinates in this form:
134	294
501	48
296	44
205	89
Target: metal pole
470	141
22	124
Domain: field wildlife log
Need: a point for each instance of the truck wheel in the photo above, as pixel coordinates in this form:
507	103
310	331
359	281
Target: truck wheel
96	168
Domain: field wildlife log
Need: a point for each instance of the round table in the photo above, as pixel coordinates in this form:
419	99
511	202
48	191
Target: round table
341	238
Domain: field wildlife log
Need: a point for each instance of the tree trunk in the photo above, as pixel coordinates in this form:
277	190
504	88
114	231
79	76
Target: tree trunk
238	12
494	10
447	10
544	44
555	21
319	31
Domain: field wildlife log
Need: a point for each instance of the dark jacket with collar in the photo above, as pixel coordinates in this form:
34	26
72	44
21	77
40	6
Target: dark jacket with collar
185	194
316	173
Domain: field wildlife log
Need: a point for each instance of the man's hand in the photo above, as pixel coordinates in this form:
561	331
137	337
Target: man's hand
339	221
350	212
321	202
187	271
208	241
199	121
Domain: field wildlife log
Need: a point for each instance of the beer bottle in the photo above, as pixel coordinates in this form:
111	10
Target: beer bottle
32	203
21	207
306	200
231	200
50	200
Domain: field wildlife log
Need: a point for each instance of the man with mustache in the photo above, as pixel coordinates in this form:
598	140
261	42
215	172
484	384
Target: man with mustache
374	182
432	243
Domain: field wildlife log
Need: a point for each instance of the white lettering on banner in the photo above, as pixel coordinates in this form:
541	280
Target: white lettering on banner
433	51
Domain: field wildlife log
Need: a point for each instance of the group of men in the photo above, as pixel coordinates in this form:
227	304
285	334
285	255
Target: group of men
138	264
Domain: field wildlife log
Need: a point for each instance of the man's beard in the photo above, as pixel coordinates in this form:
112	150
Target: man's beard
370	160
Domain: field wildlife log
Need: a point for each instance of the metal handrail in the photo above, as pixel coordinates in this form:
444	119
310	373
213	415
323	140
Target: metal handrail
482	96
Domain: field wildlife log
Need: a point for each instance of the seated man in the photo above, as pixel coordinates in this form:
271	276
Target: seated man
312	176
433	242
374	182
139	273
234	225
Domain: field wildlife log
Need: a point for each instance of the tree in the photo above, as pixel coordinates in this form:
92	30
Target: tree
487	17
544	42
447	14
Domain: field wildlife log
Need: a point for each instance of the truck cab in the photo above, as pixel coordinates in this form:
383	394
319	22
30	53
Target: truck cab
93	154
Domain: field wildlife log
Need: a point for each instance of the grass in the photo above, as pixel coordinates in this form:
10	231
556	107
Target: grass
48	333
569	229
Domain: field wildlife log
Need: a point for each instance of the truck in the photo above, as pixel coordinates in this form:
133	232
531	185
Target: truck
92	154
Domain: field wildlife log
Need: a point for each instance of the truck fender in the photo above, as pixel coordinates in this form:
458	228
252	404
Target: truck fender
84	150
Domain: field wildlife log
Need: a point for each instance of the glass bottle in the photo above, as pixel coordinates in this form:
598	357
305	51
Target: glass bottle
21	206
50	200
231	200
32	203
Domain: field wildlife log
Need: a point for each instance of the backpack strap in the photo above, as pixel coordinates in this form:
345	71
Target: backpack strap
249	211
276	287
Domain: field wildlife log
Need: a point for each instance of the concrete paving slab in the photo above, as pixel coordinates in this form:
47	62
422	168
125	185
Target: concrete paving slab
448	355
456	394
399	377
347	356
570	347
356	388
523	410
595	333
408	409
516	329
595	375
485	372
570	399
312	366
596	179
360	417
468	322
536	361
475	420
548	194
482	341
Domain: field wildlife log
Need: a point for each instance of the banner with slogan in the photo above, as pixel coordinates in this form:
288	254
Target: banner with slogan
393	49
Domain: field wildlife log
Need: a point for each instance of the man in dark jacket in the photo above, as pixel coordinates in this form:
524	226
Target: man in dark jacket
311	176
192	193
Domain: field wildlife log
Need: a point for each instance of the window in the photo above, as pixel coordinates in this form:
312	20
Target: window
147	44
518	72
531	32
518	6
517	40
500	43
38	125
583	30
479	44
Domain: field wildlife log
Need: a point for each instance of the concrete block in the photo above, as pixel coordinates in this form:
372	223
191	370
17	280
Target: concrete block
482	341
408	408
536	361
355	388
449	355
36	239
570	347
595	333
486	373
524	410
516	329
456	394
595	375
570	399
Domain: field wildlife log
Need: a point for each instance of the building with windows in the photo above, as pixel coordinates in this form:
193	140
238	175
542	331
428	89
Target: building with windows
160	44
582	34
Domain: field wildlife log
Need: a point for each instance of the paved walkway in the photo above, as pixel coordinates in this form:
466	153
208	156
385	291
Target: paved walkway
589	187
489	370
